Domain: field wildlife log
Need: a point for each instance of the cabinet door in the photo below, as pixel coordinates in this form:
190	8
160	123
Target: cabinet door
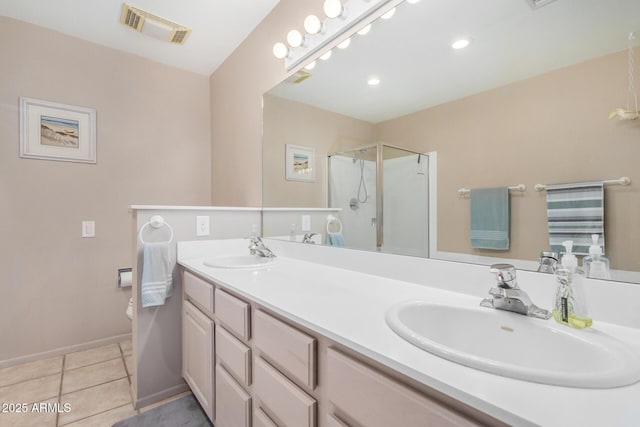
197	355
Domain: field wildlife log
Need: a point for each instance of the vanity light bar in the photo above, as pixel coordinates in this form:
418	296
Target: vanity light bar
353	12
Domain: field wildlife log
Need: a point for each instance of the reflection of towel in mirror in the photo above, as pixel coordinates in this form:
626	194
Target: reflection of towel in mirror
575	211
156	274
335	239
490	218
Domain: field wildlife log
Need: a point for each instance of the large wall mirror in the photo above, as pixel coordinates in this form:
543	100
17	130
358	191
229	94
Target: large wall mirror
413	120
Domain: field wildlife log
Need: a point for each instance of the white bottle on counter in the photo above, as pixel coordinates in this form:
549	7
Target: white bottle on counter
596	265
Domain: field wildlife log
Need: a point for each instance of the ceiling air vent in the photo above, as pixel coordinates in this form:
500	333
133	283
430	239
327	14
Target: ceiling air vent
537	4
153	26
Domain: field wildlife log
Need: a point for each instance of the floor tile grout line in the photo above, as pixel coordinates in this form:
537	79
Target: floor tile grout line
94	364
29	379
94	385
93	415
64	356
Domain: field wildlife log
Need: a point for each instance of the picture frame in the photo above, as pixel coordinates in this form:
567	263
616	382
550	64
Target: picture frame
54	131
300	163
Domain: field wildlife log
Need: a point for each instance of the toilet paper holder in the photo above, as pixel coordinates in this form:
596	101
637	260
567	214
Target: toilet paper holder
125	277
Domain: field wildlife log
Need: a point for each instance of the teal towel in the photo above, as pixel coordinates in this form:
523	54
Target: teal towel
490	218
335	239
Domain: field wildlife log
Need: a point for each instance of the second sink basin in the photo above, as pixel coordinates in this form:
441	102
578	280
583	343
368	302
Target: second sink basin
516	346
239	261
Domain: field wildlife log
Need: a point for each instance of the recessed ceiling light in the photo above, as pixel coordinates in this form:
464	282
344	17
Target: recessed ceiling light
326	56
365	30
389	14
460	44
373	81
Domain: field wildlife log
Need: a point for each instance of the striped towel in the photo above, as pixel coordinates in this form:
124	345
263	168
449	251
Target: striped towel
574	212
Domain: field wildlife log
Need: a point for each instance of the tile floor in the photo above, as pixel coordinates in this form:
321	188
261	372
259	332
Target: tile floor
94	385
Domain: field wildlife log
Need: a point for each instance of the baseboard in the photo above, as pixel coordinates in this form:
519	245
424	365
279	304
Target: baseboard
63	350
161	395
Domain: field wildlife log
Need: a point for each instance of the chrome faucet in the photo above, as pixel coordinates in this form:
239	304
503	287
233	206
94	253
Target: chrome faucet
308	238
508	295
548	262
258	248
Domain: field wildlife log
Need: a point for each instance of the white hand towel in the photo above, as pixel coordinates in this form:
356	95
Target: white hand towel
157	283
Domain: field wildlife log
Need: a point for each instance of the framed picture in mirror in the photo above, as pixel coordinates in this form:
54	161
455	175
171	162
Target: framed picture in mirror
300	163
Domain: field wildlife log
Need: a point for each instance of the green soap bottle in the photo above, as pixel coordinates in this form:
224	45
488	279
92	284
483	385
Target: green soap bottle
570	307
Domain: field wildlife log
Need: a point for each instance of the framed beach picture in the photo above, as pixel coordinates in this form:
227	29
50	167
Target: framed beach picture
53	131
300	163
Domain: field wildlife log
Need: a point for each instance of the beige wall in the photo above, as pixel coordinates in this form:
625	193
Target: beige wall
290	122
153	147
551	128
236	105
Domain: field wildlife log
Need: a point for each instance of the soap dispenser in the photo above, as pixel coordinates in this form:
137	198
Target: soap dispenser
292	233
570	306
596	265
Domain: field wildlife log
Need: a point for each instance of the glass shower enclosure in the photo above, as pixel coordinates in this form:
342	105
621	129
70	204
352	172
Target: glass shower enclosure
383	192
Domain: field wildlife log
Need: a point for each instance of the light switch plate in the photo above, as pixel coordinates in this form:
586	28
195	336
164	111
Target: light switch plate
88	229
202	225
306	223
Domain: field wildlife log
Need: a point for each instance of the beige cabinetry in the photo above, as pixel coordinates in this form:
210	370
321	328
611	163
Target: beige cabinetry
276	373
197	355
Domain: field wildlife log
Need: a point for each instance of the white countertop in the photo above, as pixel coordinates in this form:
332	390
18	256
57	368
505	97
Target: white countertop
349	307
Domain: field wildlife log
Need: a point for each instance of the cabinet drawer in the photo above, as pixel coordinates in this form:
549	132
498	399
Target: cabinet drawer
260	419
233	355
233	404
375	400
289	405
292	351
199	291
233	312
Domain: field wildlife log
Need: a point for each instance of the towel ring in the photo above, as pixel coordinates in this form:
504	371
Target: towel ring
332	219
156	222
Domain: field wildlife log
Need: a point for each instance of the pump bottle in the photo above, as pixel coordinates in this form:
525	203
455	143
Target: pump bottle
570	306
596	265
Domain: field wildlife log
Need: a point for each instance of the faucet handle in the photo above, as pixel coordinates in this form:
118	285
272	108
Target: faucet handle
505	275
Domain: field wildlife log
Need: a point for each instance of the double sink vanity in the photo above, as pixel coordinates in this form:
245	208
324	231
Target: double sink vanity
309	339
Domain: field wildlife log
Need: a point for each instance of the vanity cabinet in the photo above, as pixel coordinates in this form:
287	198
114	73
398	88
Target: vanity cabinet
276	373
197	355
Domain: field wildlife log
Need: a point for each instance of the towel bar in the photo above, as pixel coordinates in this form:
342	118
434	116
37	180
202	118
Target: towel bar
519	187
625	180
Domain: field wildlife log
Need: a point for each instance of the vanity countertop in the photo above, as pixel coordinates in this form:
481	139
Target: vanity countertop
349	307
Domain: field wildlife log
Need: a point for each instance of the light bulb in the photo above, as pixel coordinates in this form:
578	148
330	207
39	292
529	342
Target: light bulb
373	81
294	38
413	1
345	44
280	50
389	14
460	44
326	56
365	30
312	24
310	66
332	8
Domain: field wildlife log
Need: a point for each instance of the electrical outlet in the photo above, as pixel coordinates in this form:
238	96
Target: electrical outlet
88	229
202	226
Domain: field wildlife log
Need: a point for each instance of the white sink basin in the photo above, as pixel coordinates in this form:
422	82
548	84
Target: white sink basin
517	346
239	261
